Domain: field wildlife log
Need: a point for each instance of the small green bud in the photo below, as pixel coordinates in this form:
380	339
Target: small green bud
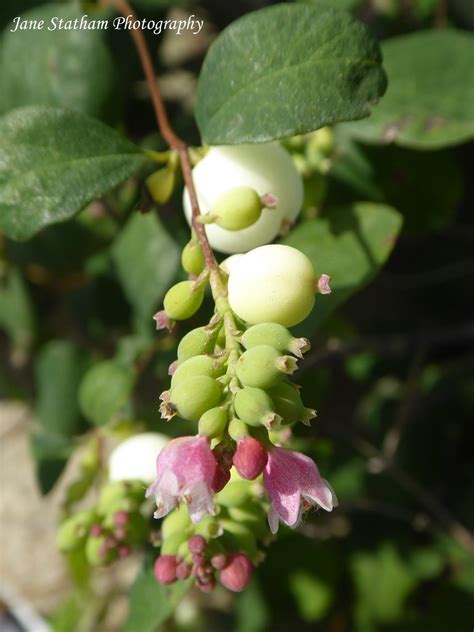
255	407
172	542
161	183
120	495
276	336
192	258
208	527
213	423
197	365
100	549
263	366
193	396
196	342
237	429
176	521
235	493
237	208
288	404
183	300
322	140
73	531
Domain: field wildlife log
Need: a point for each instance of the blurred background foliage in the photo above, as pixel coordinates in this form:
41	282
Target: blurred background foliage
391	370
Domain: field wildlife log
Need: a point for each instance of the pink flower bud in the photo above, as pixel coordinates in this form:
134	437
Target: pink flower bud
183	571
165	569
207	586
250	458
95	530
197	544
219	561
121	518
238	572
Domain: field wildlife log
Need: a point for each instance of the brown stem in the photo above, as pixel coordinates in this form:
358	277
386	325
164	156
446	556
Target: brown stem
174	141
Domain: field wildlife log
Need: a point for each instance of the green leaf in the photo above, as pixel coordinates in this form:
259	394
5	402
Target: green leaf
350	244
313	595
147	259
54	162
286	70
59	370
252	612
16	310
430	101
105	389
383	582
151	604
61	67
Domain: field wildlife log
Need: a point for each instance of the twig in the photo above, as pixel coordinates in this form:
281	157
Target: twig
174	141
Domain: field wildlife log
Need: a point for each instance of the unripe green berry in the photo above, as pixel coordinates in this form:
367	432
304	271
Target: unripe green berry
288	404
237	208
255	407
172	542
237	429
193	396
100	549
263	366
276	336
208	527
120	495
196	342
197	365
266	168
176	522
235	493
192	258
183	300
274	283
73	532
213	423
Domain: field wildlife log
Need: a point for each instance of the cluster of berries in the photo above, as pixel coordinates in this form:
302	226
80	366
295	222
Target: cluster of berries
231	376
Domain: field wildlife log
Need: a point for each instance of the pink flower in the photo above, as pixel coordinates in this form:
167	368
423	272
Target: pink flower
185	471
293	482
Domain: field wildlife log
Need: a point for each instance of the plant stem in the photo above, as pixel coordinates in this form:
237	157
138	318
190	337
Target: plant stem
174	142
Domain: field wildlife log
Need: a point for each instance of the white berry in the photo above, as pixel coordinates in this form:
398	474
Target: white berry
273	283
267	168
135	458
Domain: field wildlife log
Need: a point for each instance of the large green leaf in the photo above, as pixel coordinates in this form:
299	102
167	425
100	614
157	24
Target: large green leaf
151	604
105	389
430	99
16	310
59	369
285	70
146	258
53	162
350	244
61	67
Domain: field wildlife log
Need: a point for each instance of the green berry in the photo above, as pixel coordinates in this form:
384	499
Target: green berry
255	407
194	395
237	429
192	258
276	336
237	208
273	283
196	342
263	366
100	549
172	542
235	493
176	522
288	404
183	300
197	365
213	423
73	531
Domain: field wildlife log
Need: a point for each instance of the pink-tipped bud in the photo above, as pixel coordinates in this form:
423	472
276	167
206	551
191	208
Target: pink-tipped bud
219	561
95	530
124	550
165	569
250	458
197	544
198	559
323	284
121	518
162	321
183	571
237	574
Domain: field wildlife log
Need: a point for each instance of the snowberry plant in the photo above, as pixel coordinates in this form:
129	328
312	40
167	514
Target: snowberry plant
219	492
